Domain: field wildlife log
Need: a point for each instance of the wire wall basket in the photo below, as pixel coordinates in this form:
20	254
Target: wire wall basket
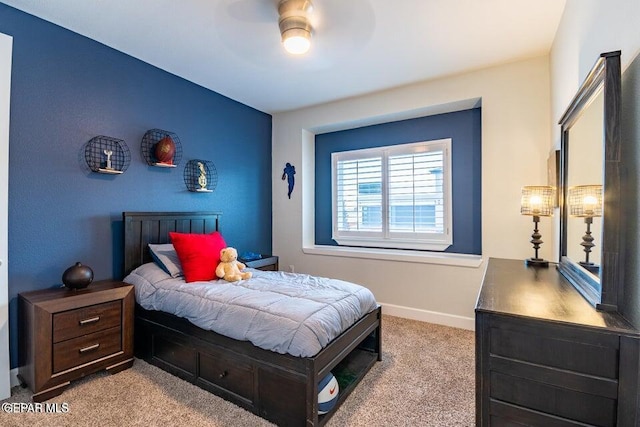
104	154
200	176
161	148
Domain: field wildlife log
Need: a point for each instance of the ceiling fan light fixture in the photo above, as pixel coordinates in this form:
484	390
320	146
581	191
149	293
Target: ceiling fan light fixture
296	41
295	28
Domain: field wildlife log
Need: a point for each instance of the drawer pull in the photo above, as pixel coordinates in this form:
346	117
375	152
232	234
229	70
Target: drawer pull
223	374
90	348
91	320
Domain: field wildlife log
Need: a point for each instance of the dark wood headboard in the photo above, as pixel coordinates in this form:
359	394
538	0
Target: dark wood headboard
142	228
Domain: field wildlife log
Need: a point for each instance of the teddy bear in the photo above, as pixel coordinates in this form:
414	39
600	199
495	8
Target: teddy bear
229	267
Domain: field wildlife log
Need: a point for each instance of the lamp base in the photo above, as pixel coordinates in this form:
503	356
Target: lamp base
536	262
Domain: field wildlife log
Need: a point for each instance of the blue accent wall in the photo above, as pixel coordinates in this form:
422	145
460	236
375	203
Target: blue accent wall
464	129
67	89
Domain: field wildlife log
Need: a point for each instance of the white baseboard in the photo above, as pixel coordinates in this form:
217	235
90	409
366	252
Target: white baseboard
438	318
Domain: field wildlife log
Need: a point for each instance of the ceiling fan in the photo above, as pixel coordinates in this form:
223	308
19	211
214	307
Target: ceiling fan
338	28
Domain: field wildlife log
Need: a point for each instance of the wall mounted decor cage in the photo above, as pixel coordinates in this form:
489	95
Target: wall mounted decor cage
200	176
108	155
149	146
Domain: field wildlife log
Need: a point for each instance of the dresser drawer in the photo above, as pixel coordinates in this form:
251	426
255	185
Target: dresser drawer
548	399
87	320
561	347
231	375
546	357
84	349
507	415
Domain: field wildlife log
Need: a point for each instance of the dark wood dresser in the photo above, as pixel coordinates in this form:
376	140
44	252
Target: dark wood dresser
546	357
67	334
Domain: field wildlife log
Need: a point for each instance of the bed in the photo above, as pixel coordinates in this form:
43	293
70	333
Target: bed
281	388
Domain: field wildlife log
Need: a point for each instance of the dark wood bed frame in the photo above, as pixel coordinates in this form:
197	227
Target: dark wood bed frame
278	387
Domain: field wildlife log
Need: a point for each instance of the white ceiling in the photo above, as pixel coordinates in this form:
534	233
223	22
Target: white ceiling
359	46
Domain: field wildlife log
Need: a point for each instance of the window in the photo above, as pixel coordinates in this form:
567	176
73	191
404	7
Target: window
463	177
393	197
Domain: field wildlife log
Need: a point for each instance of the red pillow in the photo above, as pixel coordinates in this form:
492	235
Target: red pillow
199	254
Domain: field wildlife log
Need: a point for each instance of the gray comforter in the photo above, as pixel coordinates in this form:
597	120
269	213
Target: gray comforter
283	312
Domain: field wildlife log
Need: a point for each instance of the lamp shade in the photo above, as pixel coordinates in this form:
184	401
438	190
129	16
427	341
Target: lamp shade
585	200
537	200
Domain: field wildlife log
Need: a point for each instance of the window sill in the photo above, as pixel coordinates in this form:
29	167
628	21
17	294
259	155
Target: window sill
399	244
458	260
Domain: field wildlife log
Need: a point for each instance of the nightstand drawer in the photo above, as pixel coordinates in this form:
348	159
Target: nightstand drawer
66	334
87	320
77	351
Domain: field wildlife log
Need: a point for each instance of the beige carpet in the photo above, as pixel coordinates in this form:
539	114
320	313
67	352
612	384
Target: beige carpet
426	378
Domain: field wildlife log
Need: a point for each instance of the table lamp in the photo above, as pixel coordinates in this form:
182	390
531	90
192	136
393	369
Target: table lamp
537	201
586	201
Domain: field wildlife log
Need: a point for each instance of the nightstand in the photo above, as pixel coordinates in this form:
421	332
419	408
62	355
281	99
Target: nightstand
266	263
67	334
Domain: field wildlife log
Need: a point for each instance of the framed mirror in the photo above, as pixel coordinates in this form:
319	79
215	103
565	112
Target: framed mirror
590	210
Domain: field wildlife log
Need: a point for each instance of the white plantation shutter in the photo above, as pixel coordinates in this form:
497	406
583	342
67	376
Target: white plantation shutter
359	196
416	193
396	196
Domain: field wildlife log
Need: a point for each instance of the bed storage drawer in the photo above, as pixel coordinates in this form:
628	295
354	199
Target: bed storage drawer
174	354
210	369
233	376
83	321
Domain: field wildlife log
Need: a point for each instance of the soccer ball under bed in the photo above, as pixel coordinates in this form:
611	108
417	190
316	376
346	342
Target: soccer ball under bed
327	393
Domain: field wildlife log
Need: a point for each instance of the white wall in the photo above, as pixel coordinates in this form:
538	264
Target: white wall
515	139
588	28
6	45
